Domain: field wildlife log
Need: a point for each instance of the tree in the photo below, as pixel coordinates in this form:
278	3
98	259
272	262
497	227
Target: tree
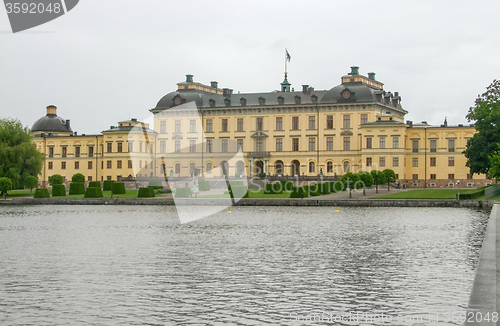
78	177
494	170
30	183
486	115
19	157
350	180
390	176
378	179
5	185
366	180
56	179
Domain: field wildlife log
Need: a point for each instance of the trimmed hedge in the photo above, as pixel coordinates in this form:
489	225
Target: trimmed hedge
203	185
118	188
274	188
287	185
93	192
324	188
238	191
58	190
236	183
473	195
95	184
313	190
155	184
299	192
183	192
77	188
146	192
41	193
107	185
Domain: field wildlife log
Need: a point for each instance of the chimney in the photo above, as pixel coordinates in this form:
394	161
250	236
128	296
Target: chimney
51	110
304	89
68	125
189	78
230	92
213	84
225	92
371	75
354	70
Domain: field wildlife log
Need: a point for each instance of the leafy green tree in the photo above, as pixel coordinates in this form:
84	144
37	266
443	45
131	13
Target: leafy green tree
30	183
19	157
494	170
5	185
56	179
350	180
378	178
390	176
486	116
78	177
366	180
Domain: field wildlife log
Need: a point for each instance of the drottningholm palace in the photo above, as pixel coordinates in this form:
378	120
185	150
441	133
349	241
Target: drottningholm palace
199	129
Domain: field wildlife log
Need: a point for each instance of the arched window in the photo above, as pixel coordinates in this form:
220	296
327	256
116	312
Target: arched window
192	168
311	167
209	168
329	167
177	168
346	166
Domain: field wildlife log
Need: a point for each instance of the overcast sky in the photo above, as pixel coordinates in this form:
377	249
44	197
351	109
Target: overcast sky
107	61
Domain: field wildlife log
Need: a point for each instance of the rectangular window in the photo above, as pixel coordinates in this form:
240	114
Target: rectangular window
433	145
77	165
77	151
295	144
469	176
89	165
192	125
258	145
130	147
119	164
64	152
364	119
415	177
177	126
239	142
382	142
163	127
312	144
329	143
63	165
451	145
224	146
433	161
192	146
129	164
347	121
451	161
239	124
395	142
369	142
395	161
109	147
312	122
329	122
347	143
51	151
381	161
163	146
177	146
260	124
224	125
414	161
145	164
140	147
89	178
279	144
414	145
451	176
109	164
279	123
140	164
295	123
209	125
51	165
209	145
368	161
433	177
120	147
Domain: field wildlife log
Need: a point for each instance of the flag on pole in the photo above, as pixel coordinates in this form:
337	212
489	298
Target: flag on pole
288	56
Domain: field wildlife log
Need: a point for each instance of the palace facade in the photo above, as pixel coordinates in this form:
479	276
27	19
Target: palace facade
208	131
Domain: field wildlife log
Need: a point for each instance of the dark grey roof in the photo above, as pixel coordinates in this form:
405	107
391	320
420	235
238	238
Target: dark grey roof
129	129
386	122
51	123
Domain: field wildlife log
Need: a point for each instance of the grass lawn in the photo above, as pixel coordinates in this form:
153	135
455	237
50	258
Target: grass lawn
426	194
19	193
251	194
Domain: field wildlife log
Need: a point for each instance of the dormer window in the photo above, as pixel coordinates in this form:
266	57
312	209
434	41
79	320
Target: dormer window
281	100
227	102
211	102
314	99
243	101
297	99
262	101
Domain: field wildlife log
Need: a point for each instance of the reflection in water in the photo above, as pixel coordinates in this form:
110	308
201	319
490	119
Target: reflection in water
85	265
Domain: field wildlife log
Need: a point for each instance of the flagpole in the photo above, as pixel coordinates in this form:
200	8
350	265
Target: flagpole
286	59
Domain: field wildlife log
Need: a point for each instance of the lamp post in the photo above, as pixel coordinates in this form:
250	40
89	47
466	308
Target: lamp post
458	188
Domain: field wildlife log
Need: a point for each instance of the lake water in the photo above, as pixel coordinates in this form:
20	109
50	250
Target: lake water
137	265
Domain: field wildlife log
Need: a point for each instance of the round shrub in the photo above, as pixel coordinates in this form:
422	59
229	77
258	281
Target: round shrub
204	185
95	184
77	188
273	188
93	192
183	192
107	185
118	188
78	177
58	190
56	179
155	184
41	193
146	192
